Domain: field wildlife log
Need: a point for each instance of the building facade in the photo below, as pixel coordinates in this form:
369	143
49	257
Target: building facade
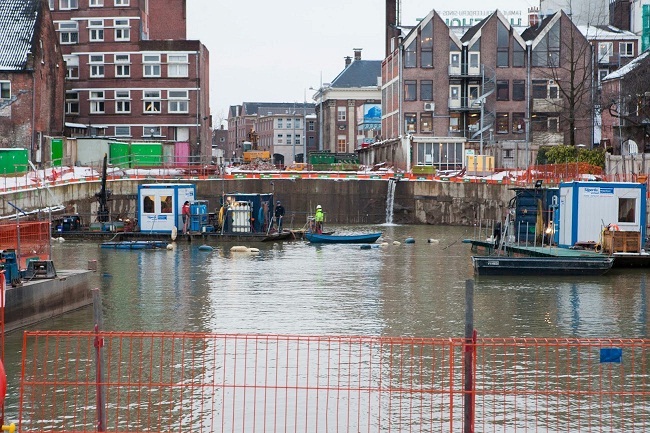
349	108
286	130
32	78
125	81
490	91
626	107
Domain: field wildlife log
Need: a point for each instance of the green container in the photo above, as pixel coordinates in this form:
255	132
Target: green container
119	154
146	154
56	147
318	158
13	161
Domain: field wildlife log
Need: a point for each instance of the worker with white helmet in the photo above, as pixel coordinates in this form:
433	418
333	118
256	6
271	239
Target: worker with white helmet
318	218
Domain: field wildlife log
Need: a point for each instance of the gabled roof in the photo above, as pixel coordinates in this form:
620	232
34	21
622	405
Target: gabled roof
623	71
360	73
533	31
18	23
472	31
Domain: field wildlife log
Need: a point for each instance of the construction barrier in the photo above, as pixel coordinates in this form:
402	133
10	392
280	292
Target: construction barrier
29	239
161	382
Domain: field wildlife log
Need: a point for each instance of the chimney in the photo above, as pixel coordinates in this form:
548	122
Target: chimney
357	53
533	16
348	60
392	21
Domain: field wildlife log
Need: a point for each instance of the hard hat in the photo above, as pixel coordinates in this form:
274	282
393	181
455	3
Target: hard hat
318	207
278	202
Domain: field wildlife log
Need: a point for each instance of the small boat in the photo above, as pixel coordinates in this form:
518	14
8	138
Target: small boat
367	238
543	266
135	245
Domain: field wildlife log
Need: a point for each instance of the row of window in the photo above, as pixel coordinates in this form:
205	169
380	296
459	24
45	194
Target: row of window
282	124
541	89
177	101
279	139
69	30
506	123
65	5
606	50
177	66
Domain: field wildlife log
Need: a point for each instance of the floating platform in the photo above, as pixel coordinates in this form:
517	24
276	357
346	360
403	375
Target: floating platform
542	266
621	260
38	299
136	245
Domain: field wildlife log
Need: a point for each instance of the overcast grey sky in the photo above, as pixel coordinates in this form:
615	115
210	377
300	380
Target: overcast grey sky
275	51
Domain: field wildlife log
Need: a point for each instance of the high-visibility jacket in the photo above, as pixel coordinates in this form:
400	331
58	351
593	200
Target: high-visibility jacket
319	216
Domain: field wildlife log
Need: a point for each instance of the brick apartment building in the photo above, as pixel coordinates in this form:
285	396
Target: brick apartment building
132	75
490	90
32	78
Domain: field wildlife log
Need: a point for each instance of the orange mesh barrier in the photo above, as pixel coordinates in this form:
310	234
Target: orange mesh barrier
29	239
159	382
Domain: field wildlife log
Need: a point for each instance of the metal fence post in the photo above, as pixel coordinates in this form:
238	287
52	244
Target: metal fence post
468	358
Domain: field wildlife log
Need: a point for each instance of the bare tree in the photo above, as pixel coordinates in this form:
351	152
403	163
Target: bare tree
626	97
569	65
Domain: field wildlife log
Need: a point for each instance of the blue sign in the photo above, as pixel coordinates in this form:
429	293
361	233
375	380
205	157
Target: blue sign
372	113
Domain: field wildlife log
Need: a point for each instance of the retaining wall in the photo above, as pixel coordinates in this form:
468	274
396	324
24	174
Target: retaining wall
345	201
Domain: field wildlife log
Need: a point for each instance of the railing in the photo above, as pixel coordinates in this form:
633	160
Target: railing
86	382
29	239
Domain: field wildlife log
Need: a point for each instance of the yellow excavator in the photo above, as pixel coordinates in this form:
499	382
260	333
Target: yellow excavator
254	153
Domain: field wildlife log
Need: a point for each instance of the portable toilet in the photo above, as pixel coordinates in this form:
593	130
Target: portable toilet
586	209
160	206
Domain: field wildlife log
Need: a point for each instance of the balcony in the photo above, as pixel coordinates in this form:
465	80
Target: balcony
464	103
464	70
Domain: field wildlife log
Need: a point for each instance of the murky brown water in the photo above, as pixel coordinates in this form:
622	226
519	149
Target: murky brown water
298	288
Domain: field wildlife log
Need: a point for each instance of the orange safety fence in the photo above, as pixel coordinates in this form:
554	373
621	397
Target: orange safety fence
30	239
162	382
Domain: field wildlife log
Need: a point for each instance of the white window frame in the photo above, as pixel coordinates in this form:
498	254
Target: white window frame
605	51
122	30
122	101
178	65
71	102
5	89
68	28
122	65
72	67
96	3
121	3
341	114
66	5
178	101
97	99
96	30
151	65
280	120
152	101
151	131
128	131
96	67
626	49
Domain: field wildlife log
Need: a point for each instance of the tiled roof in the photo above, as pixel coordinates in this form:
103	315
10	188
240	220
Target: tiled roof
18	19
360	73
263	108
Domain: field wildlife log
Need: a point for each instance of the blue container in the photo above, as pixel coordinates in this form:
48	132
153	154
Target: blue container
198	215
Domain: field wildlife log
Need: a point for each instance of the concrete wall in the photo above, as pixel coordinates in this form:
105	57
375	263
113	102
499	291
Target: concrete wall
344	201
